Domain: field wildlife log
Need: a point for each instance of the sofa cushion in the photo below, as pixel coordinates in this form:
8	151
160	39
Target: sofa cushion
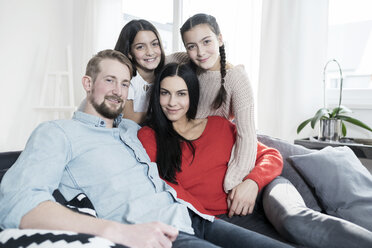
287	149
342	183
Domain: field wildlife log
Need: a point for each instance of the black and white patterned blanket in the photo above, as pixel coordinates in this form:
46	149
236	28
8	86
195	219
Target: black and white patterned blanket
33	238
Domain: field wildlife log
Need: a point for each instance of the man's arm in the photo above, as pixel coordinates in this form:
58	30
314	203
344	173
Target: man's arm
53	216
35	175
26	199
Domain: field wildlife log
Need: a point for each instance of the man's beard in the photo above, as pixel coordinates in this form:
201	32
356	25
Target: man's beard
105	110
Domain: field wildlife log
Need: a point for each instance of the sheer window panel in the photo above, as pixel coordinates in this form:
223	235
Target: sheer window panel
350	43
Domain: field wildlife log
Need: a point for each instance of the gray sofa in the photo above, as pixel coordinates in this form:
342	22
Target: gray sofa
322	199
291	203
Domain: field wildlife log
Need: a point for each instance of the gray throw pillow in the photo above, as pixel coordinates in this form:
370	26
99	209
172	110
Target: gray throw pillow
286	210
341	182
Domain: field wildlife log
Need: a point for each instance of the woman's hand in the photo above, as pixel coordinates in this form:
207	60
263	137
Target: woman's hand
242	198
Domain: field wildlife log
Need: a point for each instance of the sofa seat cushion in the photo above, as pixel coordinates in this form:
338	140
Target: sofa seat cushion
341	182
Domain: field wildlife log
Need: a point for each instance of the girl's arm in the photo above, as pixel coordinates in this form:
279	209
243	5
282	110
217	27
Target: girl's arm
180	57
269	164
243	156
129	113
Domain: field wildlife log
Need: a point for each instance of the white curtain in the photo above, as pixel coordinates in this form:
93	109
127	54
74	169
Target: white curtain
97	26
293	50
241	30
33	32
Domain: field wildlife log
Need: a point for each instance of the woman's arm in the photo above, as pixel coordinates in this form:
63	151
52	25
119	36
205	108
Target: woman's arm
147	137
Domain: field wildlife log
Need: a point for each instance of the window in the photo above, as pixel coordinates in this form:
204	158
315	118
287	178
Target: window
159	13
350	43
239	21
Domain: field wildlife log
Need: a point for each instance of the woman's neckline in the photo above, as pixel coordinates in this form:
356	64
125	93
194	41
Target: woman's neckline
202	124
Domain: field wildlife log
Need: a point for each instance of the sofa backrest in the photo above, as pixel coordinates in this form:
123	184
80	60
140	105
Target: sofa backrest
7	159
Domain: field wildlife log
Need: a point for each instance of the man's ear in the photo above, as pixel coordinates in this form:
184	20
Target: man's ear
87	83
220	40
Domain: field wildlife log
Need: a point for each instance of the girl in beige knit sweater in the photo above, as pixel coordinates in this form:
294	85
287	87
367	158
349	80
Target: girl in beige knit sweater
225	91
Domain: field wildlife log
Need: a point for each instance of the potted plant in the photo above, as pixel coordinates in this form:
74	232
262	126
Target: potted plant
332	120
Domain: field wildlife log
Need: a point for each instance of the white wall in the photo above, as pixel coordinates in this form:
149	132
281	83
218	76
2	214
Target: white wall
31	31
27	30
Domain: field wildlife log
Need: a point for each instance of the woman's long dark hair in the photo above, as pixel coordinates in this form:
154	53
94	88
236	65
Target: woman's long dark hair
212	23
169	142
127	36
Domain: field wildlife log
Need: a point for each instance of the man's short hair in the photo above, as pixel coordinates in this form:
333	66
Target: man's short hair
93	68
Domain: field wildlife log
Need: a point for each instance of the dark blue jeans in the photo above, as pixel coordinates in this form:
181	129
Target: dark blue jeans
222	234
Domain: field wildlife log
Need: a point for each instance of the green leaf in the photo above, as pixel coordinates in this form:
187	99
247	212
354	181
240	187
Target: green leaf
343	129
340	110
355	122
323	112
344	109
302	125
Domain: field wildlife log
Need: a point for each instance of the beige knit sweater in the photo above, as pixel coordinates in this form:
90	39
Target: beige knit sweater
239	106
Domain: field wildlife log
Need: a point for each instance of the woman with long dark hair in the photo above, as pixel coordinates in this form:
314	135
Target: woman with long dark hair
192	153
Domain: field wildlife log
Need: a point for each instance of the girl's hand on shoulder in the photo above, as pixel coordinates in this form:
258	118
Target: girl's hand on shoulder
242	198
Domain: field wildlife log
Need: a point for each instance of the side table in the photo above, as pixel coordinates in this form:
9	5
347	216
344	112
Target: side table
361	147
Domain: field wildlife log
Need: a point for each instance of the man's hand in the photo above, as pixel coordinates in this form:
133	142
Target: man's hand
147	235
242	198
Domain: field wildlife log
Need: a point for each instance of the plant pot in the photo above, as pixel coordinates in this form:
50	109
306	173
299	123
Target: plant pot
330	130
